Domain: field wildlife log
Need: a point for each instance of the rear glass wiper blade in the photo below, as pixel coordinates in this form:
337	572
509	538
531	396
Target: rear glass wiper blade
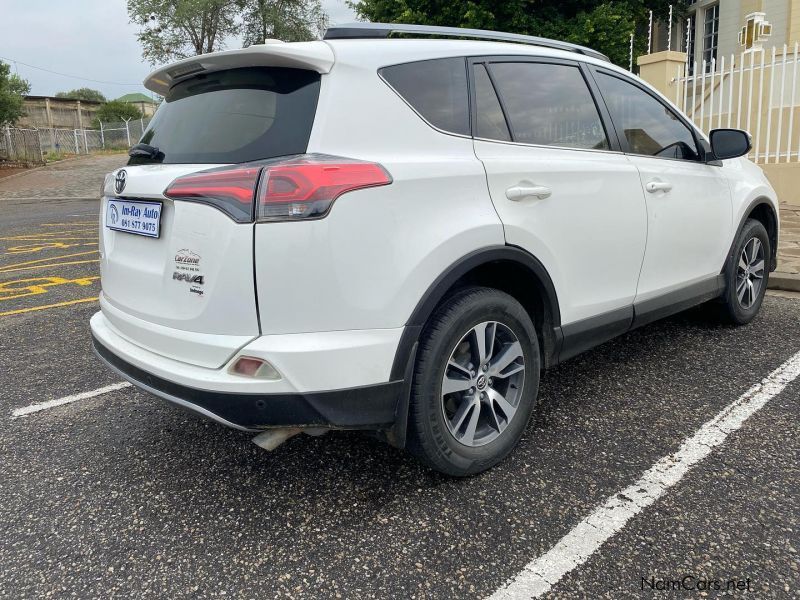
142	150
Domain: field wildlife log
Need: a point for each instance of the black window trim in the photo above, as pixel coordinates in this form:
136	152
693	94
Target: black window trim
703	149
500	101
419	114
605	118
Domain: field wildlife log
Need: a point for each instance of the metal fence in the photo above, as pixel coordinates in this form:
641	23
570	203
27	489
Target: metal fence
31	146
756	91
109	136
20	146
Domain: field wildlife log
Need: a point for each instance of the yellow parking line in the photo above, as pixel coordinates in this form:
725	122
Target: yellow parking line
47	266
50	259
51	235
46	306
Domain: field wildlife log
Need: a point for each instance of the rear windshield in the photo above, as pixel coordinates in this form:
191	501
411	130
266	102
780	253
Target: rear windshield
235	116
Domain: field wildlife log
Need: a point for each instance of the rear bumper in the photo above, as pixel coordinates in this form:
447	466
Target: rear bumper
243	403
369	407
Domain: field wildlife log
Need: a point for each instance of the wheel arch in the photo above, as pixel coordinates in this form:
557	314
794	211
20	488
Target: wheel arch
761	209
507	268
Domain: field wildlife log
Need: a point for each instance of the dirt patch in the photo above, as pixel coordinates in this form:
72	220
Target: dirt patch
6	171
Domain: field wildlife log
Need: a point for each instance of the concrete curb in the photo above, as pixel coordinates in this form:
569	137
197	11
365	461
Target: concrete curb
787	282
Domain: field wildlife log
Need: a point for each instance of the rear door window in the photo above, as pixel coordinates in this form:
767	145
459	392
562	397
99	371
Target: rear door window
436	89
491	122
549	105
235	116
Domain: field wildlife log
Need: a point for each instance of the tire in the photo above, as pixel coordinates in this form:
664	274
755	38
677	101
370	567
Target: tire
745	282
440	429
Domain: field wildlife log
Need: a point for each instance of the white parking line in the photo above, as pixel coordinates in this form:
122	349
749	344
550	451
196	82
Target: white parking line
34	408
575	548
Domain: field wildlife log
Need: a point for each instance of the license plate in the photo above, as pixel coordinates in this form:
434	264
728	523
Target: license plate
141	217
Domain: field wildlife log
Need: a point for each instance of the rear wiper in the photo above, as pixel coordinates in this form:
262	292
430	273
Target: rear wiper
142	150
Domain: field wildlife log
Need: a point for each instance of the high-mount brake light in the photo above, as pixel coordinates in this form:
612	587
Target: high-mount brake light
299	188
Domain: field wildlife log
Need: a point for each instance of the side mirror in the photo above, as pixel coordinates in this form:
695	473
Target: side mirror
730	143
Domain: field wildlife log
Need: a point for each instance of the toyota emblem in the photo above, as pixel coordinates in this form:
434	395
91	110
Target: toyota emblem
119	181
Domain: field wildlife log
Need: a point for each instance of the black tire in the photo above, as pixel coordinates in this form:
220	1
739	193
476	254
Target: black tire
732	309
429	437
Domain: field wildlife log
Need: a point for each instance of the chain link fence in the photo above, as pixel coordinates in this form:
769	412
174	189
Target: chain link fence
20	146
31	146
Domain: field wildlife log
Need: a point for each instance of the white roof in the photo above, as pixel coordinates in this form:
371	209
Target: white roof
370	54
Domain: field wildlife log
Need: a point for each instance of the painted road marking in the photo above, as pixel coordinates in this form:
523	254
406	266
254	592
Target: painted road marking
48	266
20	311
49	259
22	288
34	408
41	247
575	548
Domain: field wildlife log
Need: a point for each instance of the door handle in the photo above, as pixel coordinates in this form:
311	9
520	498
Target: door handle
658	186
521	192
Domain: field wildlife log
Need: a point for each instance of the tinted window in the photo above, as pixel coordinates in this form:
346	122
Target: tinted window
491	122
236	116
437	89
649	126
549	105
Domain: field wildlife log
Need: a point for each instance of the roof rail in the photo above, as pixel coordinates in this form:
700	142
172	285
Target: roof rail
355	31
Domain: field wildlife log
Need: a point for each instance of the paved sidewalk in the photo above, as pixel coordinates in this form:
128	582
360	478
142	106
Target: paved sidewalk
789	246
79	178
787	277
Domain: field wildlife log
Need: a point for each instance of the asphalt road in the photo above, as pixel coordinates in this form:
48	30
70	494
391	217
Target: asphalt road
123	495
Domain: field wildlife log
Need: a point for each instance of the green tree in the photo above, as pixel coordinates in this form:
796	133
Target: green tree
12	92
87	94
604	25
114	111
175	29
286	20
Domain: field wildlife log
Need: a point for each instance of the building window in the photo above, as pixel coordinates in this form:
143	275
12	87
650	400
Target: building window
711	35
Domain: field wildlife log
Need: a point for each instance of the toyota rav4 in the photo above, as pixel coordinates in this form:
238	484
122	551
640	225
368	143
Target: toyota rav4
398	234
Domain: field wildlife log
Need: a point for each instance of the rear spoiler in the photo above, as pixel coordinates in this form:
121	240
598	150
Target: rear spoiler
315	56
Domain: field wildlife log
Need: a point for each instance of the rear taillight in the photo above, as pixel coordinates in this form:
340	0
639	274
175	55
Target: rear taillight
230	189
306	188
290	190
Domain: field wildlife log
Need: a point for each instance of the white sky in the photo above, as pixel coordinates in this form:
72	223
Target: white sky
85	38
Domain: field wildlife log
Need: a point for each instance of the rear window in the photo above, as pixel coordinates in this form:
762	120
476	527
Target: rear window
436	89
235	116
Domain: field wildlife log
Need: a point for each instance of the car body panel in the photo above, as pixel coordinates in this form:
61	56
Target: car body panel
689	227
597	197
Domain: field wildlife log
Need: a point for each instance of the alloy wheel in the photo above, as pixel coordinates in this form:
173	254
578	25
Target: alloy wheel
750	273
482	384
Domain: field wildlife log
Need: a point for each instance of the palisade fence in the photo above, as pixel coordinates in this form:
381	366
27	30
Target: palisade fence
756	91
31	146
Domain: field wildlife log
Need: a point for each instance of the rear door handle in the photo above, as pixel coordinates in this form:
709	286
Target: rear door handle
658	186
521	192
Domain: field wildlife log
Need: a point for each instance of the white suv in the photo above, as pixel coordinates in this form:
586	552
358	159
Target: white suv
398	235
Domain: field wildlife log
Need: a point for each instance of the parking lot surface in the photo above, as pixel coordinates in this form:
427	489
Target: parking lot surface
123	495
